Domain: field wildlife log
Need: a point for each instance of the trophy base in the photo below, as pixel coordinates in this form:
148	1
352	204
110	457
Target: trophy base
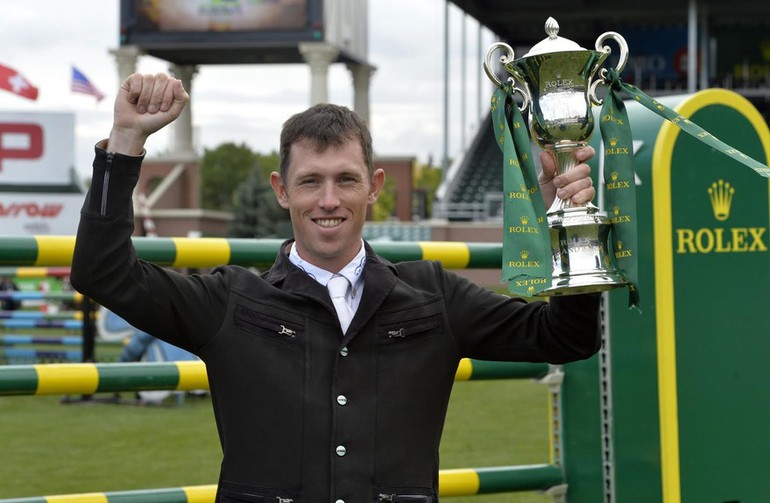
577	284
581	260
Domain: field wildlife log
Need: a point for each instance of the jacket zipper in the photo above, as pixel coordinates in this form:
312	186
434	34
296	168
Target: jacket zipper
266	499
417	328
106	184
403	497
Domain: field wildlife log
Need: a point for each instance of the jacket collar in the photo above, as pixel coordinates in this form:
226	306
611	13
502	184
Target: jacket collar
282	268
379	280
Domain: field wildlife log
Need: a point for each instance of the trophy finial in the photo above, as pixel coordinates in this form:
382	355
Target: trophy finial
552	28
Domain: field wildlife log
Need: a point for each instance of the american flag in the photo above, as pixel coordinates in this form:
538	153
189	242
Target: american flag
81	84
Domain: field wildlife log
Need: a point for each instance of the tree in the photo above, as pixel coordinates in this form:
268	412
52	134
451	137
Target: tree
256	212
223	170
426	179
385	206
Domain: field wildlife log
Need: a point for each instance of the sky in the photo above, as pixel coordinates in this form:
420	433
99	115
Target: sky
43	39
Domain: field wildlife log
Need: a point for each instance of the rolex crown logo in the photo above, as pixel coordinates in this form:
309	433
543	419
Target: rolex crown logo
721	195
524	220
616	210
524	254
620	245
613	142
614	175
523	188
531	291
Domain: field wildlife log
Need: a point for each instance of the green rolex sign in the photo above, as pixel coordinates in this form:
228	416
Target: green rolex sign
713	285
683	401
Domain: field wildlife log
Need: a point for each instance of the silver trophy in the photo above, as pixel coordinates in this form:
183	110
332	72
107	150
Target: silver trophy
556	80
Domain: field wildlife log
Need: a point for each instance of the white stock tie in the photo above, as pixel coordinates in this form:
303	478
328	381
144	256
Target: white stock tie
338	289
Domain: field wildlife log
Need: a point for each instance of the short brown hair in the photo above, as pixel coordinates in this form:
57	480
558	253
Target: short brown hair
325	125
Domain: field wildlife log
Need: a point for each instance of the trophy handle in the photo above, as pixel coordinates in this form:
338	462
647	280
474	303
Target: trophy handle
618	38
505	58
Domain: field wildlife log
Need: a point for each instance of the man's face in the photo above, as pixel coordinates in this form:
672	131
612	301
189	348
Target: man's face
327	194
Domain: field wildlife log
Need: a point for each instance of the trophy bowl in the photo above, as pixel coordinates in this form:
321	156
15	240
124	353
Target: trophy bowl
556	80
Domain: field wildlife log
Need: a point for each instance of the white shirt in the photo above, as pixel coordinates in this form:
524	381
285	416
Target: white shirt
353	271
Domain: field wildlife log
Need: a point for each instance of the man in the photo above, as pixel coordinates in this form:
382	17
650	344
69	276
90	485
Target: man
312	406
8	286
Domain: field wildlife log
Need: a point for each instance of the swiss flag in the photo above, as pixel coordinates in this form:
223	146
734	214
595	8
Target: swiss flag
13	81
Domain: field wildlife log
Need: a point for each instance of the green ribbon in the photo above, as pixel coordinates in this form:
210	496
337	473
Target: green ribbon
616	85
620	191
527	264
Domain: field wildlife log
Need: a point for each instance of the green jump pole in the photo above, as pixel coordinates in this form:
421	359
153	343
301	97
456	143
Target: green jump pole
461	482
44	251
89	378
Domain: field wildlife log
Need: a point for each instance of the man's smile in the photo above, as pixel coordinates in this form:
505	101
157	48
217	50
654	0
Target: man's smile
328	222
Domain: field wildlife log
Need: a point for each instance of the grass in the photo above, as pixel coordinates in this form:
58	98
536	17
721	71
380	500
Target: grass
49	447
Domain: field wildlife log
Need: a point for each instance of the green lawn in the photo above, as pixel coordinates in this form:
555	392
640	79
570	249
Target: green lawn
53	448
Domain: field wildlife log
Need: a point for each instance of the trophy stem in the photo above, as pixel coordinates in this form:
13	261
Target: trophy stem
563	153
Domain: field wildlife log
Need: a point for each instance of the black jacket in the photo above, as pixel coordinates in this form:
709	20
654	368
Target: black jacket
302	412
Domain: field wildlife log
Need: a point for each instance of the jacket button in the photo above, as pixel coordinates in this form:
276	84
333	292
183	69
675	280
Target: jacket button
344	351
341	451
342	400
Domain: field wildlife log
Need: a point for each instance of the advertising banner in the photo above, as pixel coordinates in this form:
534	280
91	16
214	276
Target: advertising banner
36	214
36	148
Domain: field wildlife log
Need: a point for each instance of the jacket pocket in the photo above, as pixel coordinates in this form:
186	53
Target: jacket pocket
268	326
410	330
235	492
403	495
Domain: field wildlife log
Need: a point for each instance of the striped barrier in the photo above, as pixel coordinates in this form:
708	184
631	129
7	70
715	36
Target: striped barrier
35	272
61	296
27	354
461	482
20	339
41	323
40	315
89	378
58	340
210	252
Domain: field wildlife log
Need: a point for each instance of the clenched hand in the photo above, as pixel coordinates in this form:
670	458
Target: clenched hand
145	104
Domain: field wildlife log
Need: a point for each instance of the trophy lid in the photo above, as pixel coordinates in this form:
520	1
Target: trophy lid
554	43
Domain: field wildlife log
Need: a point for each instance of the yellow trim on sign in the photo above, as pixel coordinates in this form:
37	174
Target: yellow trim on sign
201	252
200	494
66	378
451	254
458	482
54	250
192	375
664	272
464	370
551	430
78	498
